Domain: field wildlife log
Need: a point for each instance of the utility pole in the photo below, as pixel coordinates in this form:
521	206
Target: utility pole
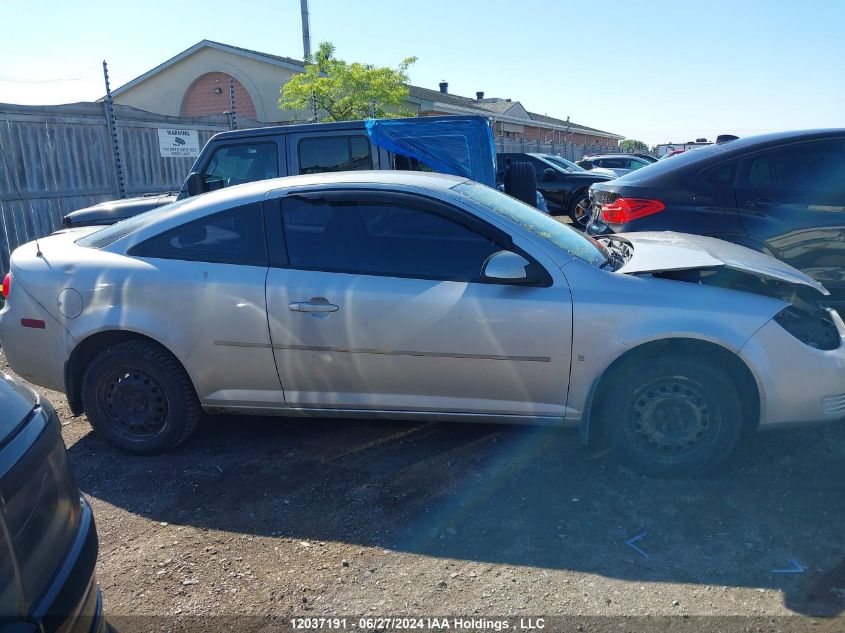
306	30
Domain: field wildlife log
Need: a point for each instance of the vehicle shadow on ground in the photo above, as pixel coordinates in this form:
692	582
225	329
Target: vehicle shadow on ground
518	496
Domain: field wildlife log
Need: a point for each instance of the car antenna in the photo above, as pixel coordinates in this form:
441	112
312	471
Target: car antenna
38	252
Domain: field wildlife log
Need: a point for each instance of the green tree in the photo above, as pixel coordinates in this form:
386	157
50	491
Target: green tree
346	91
633	145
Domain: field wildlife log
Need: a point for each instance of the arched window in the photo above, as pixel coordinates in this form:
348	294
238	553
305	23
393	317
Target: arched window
209	94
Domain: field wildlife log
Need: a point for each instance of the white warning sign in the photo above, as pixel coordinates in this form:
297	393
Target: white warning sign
178	143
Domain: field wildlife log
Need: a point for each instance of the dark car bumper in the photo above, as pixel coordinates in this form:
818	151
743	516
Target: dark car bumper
73	603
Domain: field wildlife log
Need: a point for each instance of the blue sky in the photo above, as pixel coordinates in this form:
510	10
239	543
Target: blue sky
655	70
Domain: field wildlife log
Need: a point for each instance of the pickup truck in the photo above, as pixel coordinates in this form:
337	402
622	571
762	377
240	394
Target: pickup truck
459	145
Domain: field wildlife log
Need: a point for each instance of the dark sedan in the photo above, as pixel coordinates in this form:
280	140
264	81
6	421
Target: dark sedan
781	194
566	191
48	543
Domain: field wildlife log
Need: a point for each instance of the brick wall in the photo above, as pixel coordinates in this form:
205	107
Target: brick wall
202	100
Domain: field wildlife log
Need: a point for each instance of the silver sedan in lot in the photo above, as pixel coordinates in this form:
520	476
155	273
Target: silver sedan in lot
409	295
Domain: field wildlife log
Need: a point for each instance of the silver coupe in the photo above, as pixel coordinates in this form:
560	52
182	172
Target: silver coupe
419	296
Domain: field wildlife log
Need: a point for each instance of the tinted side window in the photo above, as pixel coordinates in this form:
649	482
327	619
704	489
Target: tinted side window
614	163
382	238
334	153
409	163
540	167
235	236
721	177
810	166
759	172
237	164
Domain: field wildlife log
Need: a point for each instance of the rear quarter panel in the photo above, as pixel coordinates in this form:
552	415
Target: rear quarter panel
212	317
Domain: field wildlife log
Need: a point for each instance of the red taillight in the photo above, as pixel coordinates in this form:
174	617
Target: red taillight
624	210
7	285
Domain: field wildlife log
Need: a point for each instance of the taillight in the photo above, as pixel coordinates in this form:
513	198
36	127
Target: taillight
7	285
624	210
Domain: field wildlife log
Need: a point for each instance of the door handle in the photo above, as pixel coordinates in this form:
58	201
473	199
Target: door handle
314	305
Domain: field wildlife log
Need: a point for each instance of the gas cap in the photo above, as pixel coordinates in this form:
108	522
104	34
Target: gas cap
70	303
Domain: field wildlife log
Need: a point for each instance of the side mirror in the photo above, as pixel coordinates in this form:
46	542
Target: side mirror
509	268
549	174
195	184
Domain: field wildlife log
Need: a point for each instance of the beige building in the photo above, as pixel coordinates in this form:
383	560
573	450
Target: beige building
198	81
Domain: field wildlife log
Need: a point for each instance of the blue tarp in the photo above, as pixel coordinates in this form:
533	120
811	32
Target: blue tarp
458	145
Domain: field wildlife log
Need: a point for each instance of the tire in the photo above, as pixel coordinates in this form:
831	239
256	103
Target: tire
140	398
580	210
521	182
639	409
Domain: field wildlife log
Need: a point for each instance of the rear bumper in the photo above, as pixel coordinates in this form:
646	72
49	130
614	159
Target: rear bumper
36	354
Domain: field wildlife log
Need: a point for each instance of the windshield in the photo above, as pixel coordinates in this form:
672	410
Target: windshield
562	162
110	234
540	224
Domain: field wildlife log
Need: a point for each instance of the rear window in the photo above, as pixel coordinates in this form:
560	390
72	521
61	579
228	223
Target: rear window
235	236
110	234
662	166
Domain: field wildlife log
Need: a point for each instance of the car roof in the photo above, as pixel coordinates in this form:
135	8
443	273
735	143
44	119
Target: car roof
774	138
619	155
325	127
257	190
178	212
704	156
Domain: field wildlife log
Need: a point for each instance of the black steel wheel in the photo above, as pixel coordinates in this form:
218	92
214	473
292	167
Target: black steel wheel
139	397
676	417
135	403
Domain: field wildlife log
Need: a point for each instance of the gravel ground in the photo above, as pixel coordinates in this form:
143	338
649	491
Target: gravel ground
278	517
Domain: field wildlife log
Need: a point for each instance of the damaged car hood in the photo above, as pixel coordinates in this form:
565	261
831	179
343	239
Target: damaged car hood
664	251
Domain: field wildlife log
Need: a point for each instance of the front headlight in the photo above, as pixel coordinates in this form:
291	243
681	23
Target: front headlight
815	328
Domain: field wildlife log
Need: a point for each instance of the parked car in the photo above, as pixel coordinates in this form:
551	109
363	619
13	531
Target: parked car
566	191
419	296
646	157
461	145
569	165
48	542
621	164
781	194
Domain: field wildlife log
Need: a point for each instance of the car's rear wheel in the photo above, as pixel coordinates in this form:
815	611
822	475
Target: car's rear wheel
140	398
677	417
581	210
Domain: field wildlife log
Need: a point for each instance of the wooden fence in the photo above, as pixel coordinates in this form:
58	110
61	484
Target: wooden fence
56	159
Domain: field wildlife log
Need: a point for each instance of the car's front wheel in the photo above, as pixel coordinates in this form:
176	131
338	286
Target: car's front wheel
676	417
140	398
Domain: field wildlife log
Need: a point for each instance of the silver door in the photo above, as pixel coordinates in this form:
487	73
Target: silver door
371	340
